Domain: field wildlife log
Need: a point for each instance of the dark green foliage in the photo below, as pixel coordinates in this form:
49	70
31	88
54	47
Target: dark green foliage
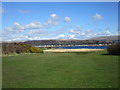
114	49
10	48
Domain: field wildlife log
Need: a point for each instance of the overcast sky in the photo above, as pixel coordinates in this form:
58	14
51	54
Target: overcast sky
60	20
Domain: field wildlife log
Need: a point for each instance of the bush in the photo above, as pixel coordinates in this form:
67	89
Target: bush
35	50
114	49
20	49
10	48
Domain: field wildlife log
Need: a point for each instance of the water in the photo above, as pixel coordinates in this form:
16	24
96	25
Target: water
87	47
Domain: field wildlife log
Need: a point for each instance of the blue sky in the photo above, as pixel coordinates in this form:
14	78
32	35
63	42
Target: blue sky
60	20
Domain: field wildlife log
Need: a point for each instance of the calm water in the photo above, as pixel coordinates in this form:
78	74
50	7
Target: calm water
88	47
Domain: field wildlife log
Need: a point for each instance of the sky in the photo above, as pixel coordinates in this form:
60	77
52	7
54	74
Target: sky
58	20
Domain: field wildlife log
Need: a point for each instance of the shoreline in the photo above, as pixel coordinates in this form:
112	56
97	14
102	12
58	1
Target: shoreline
71	50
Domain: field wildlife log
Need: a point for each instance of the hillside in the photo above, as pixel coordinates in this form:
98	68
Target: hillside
106	38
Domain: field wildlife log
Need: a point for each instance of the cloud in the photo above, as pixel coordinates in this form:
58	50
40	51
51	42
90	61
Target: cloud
24	11
33	25
104	33
22	38
53	21
40	32
97	17
67	19
17	27
61	35
79	34
72	36
108	33
77	30
83	33
54	16
37	30
78	26
72	31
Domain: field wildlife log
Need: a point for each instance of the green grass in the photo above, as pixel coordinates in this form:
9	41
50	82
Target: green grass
60	70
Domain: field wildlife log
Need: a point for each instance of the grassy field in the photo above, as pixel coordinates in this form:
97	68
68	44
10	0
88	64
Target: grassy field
60	70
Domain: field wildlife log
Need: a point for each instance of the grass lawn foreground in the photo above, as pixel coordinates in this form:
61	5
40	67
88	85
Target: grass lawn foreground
60	70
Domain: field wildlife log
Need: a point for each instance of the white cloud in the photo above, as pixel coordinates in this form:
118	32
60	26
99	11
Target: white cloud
34	38
33	25
53	21
71	36
89	33
67	19
106	33
22	38
17	27
97	17
83	33
38	31
61	35
78	26
41	35
72	31
76	31
54	15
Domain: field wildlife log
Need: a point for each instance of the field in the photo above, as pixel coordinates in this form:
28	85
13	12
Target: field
60	70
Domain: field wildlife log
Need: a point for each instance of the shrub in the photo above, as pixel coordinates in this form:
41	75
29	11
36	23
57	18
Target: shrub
35	50
10	48
20	49
114	49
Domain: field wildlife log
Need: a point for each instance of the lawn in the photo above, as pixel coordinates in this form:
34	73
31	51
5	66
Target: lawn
60	70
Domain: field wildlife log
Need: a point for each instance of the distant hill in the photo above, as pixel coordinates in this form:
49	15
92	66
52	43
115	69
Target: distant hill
106	38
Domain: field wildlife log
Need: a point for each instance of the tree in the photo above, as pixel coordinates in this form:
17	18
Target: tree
114	49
